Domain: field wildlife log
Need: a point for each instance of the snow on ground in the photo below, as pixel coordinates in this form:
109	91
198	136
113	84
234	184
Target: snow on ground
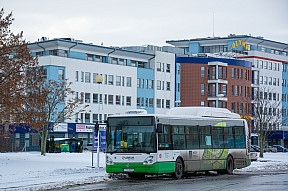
31	171
271	162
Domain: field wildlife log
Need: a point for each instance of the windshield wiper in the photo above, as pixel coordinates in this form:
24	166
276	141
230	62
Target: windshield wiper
115	151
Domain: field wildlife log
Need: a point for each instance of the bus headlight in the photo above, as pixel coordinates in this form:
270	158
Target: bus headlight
149	160
109	161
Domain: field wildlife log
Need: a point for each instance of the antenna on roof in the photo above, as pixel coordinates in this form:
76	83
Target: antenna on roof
213	24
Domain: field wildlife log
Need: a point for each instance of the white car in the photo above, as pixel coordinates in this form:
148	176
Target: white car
88	147
253	154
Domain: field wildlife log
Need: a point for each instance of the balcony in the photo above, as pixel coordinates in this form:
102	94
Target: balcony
213	80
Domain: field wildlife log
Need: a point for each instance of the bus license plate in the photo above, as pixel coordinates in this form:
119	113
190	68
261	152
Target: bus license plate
128	169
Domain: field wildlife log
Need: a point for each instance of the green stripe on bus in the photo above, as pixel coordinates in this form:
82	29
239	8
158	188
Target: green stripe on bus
163	167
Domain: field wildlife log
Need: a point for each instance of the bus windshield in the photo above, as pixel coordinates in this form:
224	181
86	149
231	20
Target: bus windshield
131	135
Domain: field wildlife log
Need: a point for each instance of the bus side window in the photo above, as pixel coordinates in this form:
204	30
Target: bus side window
228	138
205	137
192	137
164	140
178	137
239	137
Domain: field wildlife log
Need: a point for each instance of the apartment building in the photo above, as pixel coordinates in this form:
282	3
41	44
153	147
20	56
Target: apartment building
269	63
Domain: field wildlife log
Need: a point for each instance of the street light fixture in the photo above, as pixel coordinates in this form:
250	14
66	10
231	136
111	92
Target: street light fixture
99	80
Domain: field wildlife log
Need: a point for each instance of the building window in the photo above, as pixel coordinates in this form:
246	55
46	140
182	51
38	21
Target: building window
202	103
151	84
141	64
95	98
122	61
82	76
158	103
142	101
225	90
87	77
142	83
129	84
77	76
202	71
236	91
146	102
168	68
220	72
110	99
233	107
95	118
89	57
147	84
110	79
87	97
118	100
158	65
118	80
138	101
232	90
168	86
168	104
113	60
87	118
158	85
202	89
151	104
133	63
60	74
123	81
233	73
128	100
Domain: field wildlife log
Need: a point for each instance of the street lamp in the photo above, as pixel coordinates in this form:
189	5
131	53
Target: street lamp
99	80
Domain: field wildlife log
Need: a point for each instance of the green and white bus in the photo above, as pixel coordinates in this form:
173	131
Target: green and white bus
187	139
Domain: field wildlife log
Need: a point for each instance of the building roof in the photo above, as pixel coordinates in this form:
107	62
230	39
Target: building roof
69	44
221	40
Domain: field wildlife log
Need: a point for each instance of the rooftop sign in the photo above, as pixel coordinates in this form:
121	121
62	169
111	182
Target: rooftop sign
240	43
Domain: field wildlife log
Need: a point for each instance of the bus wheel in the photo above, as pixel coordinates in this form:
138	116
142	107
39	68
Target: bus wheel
179	169
229	165
137	176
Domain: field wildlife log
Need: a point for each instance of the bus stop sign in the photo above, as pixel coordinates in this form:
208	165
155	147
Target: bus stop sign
102	140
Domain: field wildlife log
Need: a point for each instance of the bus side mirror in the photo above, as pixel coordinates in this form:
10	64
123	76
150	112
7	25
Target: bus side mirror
96	128
159	128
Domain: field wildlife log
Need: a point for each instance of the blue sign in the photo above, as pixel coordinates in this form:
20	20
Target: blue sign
102	140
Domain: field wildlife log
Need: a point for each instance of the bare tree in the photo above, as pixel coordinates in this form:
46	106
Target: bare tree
15	61
266	113
51	103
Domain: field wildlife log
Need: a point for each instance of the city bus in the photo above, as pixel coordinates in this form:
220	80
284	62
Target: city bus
186	139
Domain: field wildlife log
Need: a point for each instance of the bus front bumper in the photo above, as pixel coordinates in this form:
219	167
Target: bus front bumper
156	168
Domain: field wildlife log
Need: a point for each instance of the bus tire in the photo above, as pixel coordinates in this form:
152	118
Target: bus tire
179	169
136	176
229	165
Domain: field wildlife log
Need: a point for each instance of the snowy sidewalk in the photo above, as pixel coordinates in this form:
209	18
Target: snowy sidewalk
31	171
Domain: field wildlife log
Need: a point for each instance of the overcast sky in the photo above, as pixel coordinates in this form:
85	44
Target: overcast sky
140	22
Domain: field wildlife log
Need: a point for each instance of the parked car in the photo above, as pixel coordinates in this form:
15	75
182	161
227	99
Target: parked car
271	149
280	148
253	154
88	147
257	148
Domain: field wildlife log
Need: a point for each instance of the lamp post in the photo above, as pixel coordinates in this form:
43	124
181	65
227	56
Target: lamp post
99	80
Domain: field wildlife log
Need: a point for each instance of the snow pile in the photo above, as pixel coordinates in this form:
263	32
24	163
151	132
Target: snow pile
31	171
272	162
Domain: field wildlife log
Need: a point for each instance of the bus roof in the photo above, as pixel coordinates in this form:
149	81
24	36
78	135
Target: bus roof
189	112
